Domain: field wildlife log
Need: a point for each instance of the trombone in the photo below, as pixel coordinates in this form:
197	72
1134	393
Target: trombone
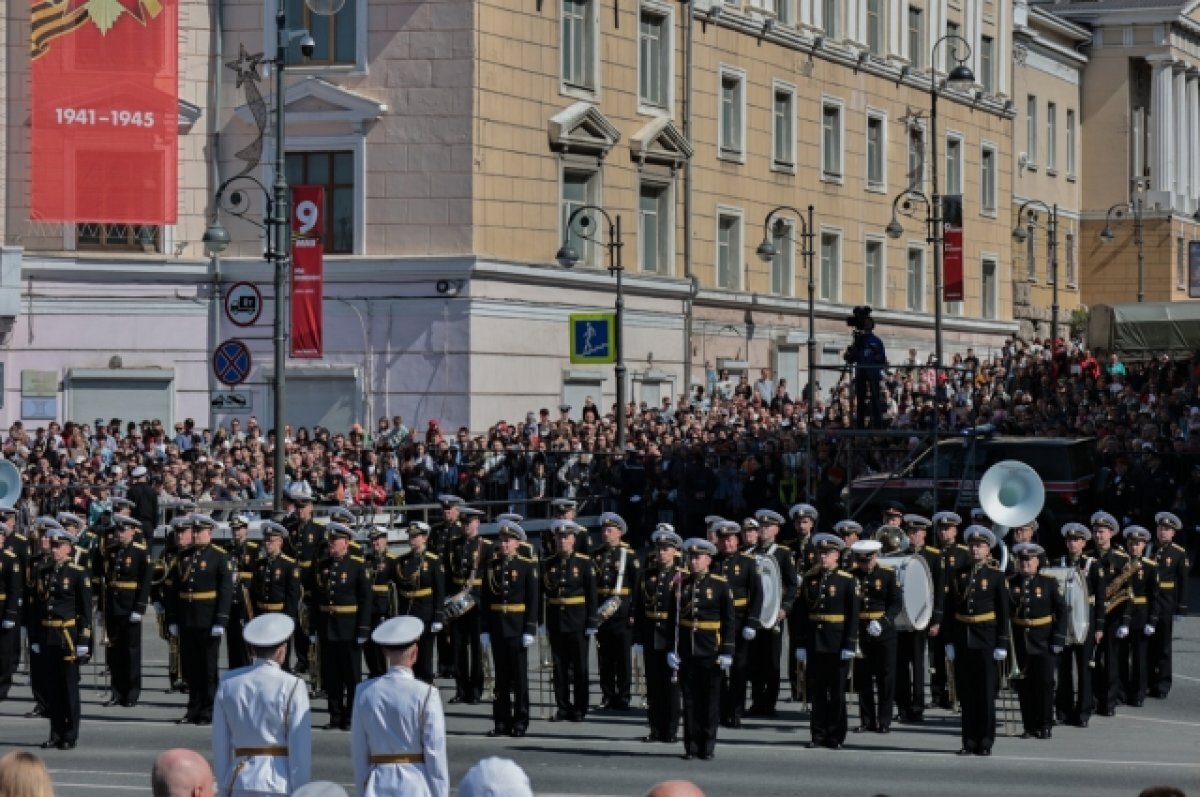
1010	705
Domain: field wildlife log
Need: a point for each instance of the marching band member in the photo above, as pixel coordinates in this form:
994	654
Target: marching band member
617	569
468	557
422	594
275	585
31	608
654	633
1144	613
380	565
1115	571
570	619
804	523
1173	571
952	556
767	647
63	636
1073	699
741	572
127	574
911	645
825	626
875	671
306	542
976	633
1039	627
851	532
1021	535
242	554
509	610
11	586
442	539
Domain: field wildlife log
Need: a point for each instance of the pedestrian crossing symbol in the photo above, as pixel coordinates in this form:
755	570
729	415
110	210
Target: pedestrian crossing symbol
593	338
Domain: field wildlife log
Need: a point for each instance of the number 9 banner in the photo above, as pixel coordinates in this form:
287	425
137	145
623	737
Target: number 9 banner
308	271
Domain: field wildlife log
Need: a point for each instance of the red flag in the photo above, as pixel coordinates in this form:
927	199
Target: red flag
308	271
952	249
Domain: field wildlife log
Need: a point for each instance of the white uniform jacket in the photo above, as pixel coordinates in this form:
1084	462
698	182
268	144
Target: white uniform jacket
398	717
262	731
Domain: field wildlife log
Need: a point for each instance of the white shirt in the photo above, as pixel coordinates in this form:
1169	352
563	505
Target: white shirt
396	714
261	706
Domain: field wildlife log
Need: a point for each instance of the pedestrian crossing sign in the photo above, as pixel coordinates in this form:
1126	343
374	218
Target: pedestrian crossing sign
593	338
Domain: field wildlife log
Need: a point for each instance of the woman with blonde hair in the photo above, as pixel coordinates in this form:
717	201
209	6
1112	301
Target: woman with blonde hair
24	775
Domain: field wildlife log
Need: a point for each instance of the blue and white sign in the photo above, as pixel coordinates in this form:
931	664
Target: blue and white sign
231	362
593	338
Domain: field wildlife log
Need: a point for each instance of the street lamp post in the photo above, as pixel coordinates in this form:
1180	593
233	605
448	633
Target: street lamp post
1020	236
766	252
1120	211
567	257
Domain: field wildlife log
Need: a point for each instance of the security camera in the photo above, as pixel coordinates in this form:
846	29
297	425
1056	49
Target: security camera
308	46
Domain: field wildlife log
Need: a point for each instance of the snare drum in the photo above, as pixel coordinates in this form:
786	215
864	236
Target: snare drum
1074	591
916	588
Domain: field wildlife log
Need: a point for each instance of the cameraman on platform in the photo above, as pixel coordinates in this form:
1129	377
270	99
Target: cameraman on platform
867	353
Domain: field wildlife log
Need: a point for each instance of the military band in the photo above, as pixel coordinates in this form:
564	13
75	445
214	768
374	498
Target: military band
1174	569
11	589
126	594
509	606
617	567
1115	571
1039	631
467	556
655	635
875	668
569	620
242	552
1074	699
381	572
421	593
744	579
911	645
767	647
951	556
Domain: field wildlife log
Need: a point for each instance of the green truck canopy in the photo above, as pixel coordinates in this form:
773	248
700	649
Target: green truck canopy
1142	330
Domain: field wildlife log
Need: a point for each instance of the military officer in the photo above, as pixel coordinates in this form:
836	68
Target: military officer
850	531
509	603
381	572
398	738
1115	571
262	723
275	585
654	633
31	608
63	637
339	599
468	554
767	647
616	567
1173	571
804	524
422	594
199	591
911	645
704	616
570	619
14	539
1144	613
1019	535
744	578
975	624
751	532
11	586
825	626
1039	627
525	549
952	556
127	573
875	671
243	553
306	543
442	539
1073	698
560	509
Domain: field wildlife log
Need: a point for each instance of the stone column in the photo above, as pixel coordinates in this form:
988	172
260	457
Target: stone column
1162	136
1193	107
1183	161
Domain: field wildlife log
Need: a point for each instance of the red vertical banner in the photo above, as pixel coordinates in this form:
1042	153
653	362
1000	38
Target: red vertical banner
952	248
308	271
105	103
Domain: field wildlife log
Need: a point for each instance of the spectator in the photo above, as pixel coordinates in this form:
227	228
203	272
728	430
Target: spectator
181	773
675	788
495	777
24	775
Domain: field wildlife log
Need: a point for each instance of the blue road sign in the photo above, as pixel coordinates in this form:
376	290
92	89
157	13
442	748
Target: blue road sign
593	338
231	362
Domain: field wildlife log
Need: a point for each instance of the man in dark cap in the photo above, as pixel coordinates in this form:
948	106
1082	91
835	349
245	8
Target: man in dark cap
275	585
509	608
617	568
307	544
654	634
63	637
10	612
243	552
1174	568
767	647
467	557
127	574
743	575
1073	697
911	645
442	538
570	606
1039	622
1115	571
422	594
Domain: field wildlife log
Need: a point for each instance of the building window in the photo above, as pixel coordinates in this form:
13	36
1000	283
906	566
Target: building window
951	47
873	273
578	44
1180	261
916	159
875	27
987	180
579	188
988	294
1031	253
1051	136
915	279
953	165
783	264
336	36
783	11
729	251
654	59
831	141
987	57
654	227
916	38
118	237
876	153
333	171
1070	142
831	266
1031	129
1070	253
732	114
831	17
783	150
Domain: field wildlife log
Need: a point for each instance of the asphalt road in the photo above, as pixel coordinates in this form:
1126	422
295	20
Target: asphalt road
1159	743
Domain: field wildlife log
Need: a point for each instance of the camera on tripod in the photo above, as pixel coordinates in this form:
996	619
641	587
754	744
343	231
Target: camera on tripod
860	320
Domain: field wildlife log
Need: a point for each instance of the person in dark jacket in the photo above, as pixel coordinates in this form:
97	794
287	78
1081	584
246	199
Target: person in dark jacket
1039	627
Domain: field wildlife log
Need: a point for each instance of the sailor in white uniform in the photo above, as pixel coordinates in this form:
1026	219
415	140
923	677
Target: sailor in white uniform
398	732
262	725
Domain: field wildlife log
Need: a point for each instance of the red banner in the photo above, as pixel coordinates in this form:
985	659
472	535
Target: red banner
952	249
105	101
308	270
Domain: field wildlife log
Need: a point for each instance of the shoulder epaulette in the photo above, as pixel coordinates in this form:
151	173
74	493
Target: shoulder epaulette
525	559
9	552
141	546
933	549
1147	560
358	559
716	577
1120	553
844	574
219	549
582	556
960	545
285	558
391	556
626	545
780	546
21	536
887	568
252	543
1177	546
80	568
431	555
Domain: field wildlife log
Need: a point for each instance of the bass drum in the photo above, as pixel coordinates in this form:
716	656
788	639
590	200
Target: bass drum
1074	592
772	590
916	591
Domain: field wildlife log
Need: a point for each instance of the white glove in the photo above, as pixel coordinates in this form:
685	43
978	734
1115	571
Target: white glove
589	632
173	629
312	638
35	647
847	655
1056	649
158	607
435	628
999	654
672	660
724	662
1122	631
637	650
748	633
81	651
1149	630
7	624
874	628
134	617
485	639
217	631
362	640
801	655
526	640
542	630
950	652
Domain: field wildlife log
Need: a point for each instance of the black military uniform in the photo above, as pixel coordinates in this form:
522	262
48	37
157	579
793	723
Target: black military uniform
199	591
799	540
421	592
1073	699
767	647
306	545
743	575
1145	603
275	582
381	572
468	556
339	600
509	601
1173	571
617	568
1039	627
705	616
950	559
127	573
911	646
875	671
62	638
570	617
976	624
11	587
31	609
1115	571
825	628
442	539
242	556
654	631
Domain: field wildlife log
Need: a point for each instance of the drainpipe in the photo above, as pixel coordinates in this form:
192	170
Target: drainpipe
689	23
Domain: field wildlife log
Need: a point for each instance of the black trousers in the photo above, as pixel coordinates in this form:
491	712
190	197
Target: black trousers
341	670
1035	690
300	647
910	672
570	655
701	679
1073	694
423	667
614	641
10	656
975	683
1159	656
125	659
510	708
662	696
939	684
1132	651
826	687
468	656
1105	679
764	654
37	677
199	652
733	684
376	663
445	653
875	681
61	678
235	646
